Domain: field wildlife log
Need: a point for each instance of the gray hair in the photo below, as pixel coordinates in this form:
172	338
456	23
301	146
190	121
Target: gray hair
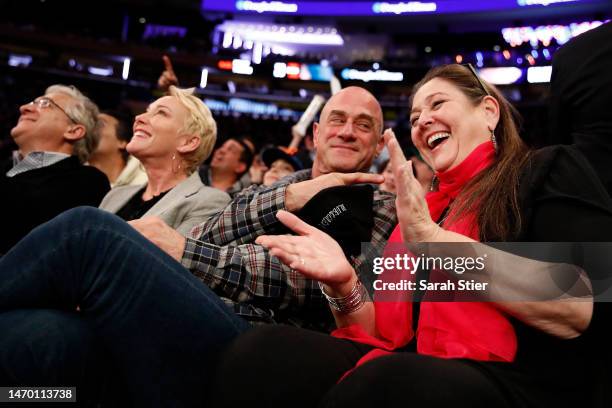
84	112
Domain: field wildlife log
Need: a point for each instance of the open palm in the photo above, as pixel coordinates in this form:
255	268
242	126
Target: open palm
312	252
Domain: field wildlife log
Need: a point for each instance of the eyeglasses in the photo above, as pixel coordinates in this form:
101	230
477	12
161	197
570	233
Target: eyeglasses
44	102
473	71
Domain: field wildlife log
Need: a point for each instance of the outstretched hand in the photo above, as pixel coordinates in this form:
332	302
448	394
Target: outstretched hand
167	77
313	253
298	194
412	210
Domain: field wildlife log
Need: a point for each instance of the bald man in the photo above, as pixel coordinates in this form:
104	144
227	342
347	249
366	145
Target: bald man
347	138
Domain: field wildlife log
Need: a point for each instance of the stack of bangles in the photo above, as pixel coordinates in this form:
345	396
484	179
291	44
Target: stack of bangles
349	303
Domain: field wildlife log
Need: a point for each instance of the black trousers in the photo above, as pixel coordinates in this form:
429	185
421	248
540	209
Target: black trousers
281	366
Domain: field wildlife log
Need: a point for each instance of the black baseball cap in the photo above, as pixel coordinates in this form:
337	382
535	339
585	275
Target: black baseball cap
271	154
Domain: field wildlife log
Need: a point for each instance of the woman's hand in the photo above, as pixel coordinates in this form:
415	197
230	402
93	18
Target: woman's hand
313	253
412	211
318	256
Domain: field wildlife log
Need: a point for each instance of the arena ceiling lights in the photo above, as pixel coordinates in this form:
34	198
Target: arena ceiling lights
379	8
278	34
516	36
260	40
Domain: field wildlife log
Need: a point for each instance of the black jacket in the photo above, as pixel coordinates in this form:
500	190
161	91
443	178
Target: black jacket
36	196
581	98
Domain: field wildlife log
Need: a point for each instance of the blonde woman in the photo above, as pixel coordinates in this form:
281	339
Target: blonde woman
171	139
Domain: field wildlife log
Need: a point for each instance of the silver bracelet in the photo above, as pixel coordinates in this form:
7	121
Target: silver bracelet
349	303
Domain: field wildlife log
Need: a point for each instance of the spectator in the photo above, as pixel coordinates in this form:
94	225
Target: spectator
389	184
279	164
229	163
580	98
111	156
422	172
55	135
257	169
305	151
171	139
420	169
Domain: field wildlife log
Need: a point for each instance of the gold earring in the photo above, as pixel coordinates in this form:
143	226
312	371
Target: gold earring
178	167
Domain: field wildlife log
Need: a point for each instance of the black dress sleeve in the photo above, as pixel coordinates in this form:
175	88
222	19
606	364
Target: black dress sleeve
564	201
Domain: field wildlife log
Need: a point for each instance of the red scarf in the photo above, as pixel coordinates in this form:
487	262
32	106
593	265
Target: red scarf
471	330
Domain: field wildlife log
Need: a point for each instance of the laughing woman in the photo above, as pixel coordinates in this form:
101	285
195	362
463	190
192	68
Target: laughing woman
171	139
462	354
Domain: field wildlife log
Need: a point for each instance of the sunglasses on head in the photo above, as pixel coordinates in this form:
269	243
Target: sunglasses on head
473	71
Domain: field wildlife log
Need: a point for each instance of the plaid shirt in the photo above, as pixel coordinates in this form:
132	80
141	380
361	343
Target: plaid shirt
255	284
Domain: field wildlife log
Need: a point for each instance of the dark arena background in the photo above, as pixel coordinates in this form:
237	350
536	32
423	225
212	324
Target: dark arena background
257	64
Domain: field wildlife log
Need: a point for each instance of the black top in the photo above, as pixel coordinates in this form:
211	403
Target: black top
137	207
34	197
581	98
562	201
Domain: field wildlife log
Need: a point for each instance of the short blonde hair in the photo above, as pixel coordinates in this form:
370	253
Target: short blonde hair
200	122
83	111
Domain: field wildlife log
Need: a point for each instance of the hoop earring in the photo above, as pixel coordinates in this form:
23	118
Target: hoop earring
493	139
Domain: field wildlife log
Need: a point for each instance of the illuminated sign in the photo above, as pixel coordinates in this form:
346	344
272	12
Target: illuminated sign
280	70
225	65
249	107
267	6
366	76
523	3
101	71
501	75
293	70
316	72
402	8
305	72
536	75
158	30
378	8
16	60
242	67
237	33
237	66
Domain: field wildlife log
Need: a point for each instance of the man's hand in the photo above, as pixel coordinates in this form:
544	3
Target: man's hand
158	232
167	77
298	194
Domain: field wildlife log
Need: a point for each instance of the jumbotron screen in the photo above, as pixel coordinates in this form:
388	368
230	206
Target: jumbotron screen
374	8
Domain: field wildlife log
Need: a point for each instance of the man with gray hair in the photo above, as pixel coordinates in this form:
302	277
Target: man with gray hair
46	176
